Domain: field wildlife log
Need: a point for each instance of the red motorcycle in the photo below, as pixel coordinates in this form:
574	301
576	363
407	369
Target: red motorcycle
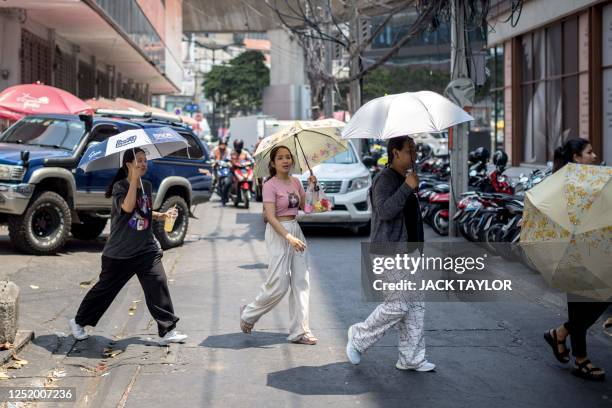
242	182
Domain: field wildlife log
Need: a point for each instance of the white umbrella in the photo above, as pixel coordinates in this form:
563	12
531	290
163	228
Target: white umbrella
404	114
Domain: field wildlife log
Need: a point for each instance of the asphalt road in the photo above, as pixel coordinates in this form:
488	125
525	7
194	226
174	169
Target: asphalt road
487	354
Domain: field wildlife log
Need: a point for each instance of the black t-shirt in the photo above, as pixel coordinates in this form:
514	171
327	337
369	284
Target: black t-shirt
131	233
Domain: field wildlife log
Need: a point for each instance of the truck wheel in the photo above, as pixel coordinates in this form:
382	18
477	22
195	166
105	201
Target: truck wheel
44	227
177	236
90	227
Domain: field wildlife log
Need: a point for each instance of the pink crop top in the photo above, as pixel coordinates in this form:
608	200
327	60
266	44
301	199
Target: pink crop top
285	195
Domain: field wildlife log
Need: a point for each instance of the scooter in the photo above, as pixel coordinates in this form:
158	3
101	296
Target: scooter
242	182
222	170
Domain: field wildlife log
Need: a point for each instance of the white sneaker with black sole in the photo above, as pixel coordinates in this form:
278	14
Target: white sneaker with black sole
77	330
173	336
422	367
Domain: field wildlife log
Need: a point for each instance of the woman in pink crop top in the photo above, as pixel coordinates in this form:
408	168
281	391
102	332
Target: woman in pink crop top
283	196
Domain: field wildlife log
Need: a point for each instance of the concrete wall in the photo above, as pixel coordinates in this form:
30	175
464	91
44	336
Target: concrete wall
287	102
288	96
173	27
10	40
287	60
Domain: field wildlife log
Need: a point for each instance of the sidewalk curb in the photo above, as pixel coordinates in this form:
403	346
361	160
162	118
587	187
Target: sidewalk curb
23	337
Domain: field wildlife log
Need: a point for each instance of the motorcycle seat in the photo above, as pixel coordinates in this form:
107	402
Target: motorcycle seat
441	188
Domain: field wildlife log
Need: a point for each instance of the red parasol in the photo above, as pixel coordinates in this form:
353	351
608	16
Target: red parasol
31	99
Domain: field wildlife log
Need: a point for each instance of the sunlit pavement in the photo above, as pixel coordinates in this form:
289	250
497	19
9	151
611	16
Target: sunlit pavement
487	354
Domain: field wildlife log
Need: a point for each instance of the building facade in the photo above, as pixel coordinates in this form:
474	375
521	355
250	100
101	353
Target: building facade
552	77
93	48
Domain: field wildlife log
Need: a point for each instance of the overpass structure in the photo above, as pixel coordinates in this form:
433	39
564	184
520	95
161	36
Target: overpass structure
288	96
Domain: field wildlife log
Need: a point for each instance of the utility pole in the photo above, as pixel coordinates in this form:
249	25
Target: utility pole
355	63
459	148
354	101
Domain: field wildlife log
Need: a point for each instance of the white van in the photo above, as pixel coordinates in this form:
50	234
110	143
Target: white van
346	181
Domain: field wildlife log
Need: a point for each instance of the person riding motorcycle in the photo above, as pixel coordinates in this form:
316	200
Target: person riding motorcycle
242	153
222	153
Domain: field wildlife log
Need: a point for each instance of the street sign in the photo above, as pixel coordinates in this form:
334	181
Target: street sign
191	107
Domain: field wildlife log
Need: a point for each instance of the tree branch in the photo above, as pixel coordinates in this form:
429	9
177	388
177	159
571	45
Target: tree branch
414	30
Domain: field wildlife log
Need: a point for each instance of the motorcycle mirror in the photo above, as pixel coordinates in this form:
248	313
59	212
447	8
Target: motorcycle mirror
368	161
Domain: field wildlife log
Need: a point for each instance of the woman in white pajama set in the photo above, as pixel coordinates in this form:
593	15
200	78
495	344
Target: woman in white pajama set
283	195
396	219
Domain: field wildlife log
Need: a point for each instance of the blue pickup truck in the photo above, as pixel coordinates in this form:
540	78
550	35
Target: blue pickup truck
44	197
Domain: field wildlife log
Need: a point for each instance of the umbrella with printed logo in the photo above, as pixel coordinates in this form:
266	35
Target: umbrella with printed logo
156	143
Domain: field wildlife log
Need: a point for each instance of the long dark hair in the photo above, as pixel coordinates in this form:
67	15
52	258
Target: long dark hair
565	154
395	143
122	173
273	153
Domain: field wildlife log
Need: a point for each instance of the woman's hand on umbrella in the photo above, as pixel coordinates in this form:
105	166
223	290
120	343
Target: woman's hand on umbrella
133	172
412	180
312	180
297	244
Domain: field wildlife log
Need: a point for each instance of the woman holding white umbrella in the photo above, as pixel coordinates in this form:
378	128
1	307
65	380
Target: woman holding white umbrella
396	216
131	248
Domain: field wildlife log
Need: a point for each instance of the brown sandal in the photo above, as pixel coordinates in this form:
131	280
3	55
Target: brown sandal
582	370
307	339
245	326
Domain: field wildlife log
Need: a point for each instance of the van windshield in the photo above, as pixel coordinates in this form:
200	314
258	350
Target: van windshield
346	157
47	132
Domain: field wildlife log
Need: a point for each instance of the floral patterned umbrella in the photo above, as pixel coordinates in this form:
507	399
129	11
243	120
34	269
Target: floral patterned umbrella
567	230
310	142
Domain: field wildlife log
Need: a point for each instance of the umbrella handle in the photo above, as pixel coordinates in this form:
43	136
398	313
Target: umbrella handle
303	154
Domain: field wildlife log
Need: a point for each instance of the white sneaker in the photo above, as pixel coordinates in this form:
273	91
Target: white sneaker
352	353
422	367
173	336
78	331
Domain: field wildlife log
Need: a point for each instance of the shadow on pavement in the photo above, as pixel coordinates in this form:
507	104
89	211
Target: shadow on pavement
254	266
72	246
92	347
240	341
342	378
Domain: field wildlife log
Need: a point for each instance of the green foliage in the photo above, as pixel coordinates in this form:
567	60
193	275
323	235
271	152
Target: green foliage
384	80
238	87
